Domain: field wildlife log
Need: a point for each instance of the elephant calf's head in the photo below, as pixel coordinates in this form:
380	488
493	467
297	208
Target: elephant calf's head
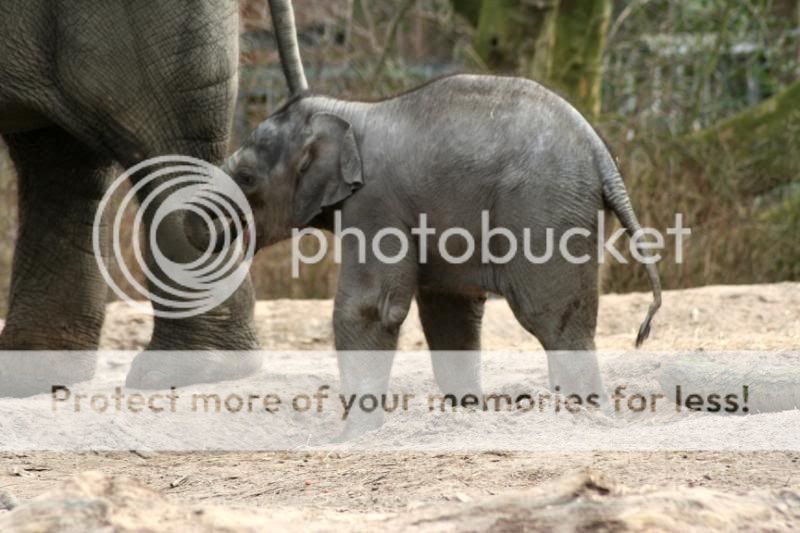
295	164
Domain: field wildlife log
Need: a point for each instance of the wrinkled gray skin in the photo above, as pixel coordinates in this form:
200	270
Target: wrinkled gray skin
84	85
449	149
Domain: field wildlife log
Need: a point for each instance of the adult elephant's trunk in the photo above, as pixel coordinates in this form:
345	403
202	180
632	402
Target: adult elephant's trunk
288	49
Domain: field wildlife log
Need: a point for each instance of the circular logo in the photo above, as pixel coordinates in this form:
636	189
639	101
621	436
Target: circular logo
169	187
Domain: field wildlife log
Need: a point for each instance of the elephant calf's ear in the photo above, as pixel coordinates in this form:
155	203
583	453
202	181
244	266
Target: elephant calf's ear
349	179
338	174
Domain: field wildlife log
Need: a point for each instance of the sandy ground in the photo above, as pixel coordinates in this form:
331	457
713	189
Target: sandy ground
487	490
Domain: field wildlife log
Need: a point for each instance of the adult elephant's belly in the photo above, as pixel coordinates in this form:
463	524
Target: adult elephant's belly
15	118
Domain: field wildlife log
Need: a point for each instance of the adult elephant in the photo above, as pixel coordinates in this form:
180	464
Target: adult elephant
86	84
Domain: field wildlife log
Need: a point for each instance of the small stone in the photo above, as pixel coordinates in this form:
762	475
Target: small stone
178	482
17	471
7	501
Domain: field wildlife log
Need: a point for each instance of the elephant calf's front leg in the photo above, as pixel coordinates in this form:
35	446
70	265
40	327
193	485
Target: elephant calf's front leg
366	323
365	347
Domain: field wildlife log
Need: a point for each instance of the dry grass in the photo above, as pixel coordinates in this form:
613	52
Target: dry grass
741	232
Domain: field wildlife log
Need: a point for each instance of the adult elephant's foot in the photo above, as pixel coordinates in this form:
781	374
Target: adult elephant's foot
26	373
203	349
162	370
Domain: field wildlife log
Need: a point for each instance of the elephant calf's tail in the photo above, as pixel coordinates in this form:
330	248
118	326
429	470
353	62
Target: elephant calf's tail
616	198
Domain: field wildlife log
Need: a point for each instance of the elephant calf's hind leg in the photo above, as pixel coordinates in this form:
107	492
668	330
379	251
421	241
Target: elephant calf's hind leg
452	326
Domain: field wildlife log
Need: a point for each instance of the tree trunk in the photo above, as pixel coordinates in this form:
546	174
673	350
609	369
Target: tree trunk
556	42
517	36
577	64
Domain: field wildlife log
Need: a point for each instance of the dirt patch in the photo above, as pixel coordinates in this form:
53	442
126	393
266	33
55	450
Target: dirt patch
746	317
448	491
577	501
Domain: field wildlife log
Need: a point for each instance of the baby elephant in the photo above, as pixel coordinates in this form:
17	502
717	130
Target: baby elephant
467	158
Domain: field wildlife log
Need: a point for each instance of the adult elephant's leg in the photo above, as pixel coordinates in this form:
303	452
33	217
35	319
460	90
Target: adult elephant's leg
157	80
57	297
221	341
215	345
452	326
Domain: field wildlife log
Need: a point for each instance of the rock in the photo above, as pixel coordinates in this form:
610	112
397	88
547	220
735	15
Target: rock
7	501
93	501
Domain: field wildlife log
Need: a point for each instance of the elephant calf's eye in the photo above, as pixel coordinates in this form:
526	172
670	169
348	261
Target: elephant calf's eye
246	180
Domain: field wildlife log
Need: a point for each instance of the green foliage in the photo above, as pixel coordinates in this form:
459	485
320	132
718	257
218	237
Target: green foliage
737	185
692	63
469	9
761	143
781	246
